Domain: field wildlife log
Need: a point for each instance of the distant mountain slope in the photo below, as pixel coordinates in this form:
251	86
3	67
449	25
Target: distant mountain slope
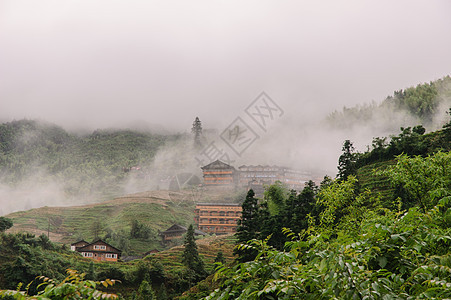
424	104
44	163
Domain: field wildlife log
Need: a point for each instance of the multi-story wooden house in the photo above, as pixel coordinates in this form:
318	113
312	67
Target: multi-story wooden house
218	218
266	175
97	250
218	173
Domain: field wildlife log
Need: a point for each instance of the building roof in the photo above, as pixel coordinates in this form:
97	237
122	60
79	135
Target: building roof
217	164
180	228
98	241
219	204
175	228
79	242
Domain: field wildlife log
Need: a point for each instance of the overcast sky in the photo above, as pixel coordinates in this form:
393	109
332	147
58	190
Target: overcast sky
111	63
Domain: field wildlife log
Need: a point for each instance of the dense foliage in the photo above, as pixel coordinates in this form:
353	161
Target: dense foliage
24	258
195	268
279	208
5	223
358	249
72	287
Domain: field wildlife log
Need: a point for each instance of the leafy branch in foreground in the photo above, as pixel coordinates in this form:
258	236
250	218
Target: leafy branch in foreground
72	287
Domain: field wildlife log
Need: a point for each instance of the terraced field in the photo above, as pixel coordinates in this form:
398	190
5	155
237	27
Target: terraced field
378	185
208	249
155	209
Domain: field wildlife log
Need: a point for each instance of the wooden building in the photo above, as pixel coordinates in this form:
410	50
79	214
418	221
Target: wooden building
251	176
218	218
219	173
78	244
175	232
99	250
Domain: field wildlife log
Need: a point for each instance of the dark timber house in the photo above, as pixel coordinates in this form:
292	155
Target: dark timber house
97	250
175	232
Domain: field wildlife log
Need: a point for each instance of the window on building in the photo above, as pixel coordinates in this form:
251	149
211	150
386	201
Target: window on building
99	247
86	254
110	255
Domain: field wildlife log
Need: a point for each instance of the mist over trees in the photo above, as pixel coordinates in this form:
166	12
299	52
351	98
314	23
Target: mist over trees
50	162
424	104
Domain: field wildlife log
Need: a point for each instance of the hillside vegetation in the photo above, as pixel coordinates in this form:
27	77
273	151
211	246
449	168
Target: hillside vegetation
358	249
24	257
424	104
93	165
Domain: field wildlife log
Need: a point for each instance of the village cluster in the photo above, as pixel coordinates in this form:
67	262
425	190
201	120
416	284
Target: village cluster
211	218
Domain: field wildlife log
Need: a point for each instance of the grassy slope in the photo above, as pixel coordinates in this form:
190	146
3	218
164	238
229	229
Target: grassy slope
155	209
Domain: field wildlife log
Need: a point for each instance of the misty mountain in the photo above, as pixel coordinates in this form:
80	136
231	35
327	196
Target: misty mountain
424	104
41	158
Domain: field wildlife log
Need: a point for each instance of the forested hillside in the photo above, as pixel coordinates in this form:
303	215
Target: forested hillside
424	104
37	157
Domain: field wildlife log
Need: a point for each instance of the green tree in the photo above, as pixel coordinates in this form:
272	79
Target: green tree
447	127
145	291
220	258
426	180
91	274
304	205
140	230
342	206
347	161
97	228
275	196
190	256
248	223
5	224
